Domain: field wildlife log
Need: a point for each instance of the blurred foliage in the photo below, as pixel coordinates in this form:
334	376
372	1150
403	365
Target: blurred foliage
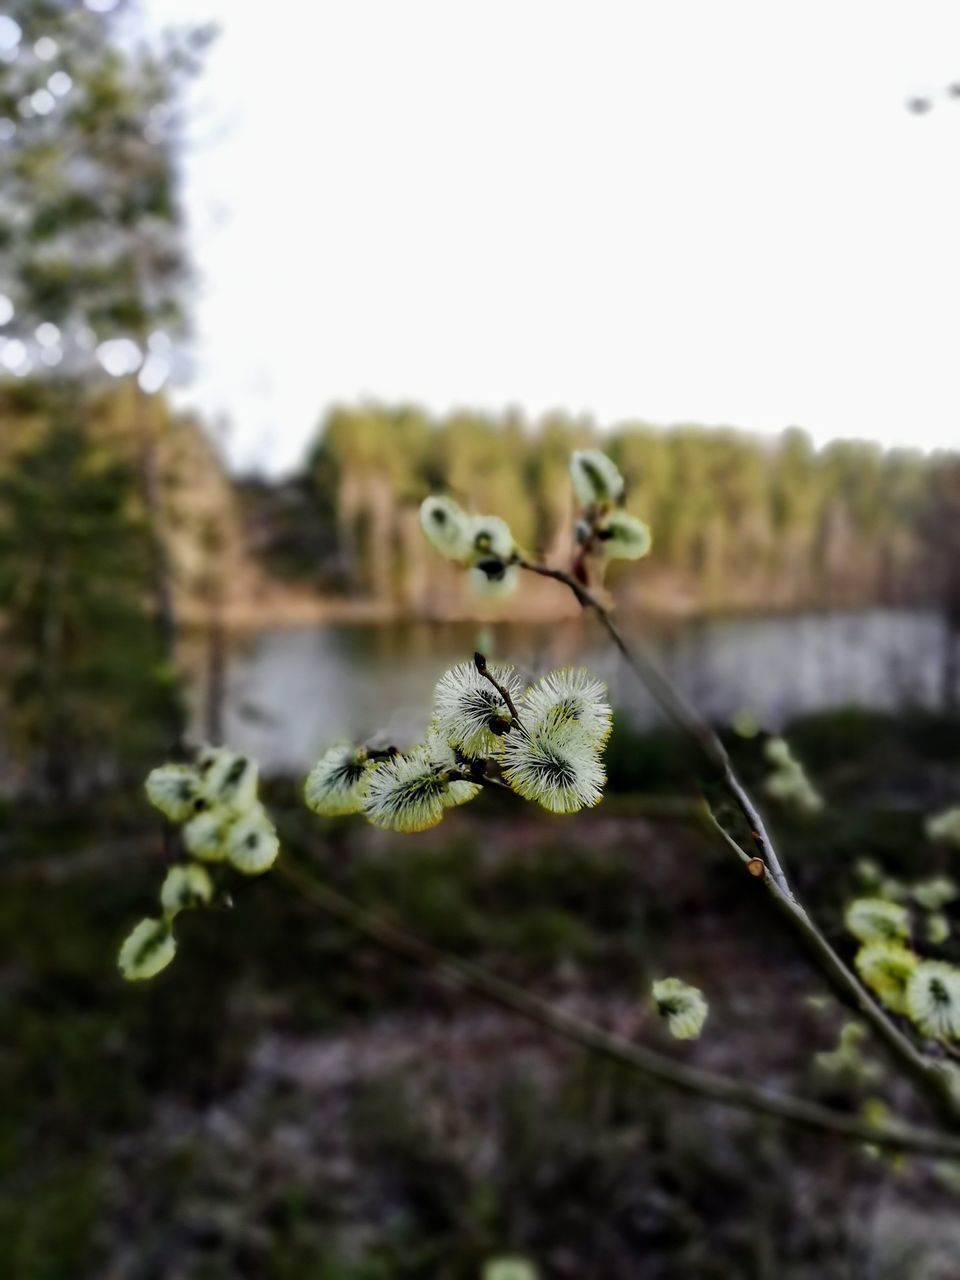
737	520
90	226
93	270
88	695
288	1102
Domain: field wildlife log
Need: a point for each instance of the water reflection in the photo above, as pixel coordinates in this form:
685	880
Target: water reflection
290	691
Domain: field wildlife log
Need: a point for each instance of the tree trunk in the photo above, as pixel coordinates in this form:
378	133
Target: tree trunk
164	608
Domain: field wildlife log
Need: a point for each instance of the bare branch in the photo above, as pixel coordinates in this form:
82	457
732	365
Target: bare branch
647	1062
932	1083
480	662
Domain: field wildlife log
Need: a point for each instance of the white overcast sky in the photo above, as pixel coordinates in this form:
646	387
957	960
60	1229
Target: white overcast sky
676	210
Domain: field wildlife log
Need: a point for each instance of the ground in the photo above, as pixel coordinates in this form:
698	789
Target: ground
287	1101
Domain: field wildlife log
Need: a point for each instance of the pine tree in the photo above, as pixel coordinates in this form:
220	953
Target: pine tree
93	273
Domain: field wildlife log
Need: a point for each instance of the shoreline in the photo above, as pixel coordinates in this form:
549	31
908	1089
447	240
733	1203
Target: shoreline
333	611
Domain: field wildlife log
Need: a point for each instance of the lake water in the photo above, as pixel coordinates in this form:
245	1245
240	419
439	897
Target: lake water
291	691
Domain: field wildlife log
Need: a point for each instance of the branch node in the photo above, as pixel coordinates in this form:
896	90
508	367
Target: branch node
480	662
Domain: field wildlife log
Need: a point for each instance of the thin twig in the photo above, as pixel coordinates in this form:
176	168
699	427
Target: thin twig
480	662
932	1083
851	992
684	717
676	1075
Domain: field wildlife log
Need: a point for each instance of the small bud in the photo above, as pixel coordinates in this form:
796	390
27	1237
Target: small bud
252	844
885	968
788	782
186	885
875	919
745	723
682	1006
494	579
205	835
756	867
447	527
944	828
934	893
624	537
491	539
509	1269
937	929
146	950
596	480
869	872
933	999
174	790
229	780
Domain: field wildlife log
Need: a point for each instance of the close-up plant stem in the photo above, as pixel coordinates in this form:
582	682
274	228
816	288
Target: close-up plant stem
710	1086
929	1081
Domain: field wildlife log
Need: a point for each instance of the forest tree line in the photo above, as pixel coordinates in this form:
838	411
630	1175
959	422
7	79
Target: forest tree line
738	521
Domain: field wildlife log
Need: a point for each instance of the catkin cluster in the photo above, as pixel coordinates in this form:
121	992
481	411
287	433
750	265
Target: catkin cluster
485	544
544	742
924	990
214	802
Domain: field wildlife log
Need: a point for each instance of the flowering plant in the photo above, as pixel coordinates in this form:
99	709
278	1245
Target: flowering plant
543	739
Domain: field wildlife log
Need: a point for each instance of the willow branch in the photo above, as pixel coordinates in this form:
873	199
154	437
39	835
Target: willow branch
684	717
480	662
852	993
930	1082
647	1062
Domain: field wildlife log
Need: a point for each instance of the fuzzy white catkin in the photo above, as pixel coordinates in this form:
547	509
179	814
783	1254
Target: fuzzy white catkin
596	480
444	758
682	1006
886	967
186	885
494	580
944	828
934	893
933	999
875	919
174	790
491	536
205	835
148	948
469	713
569	696
252	844
622	536
407	794
447	527
555	768
229	780
338	781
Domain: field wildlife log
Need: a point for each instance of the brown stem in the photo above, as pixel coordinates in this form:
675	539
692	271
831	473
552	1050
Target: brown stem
845	986
931	1083
576	1030
480	662
696	730
164	607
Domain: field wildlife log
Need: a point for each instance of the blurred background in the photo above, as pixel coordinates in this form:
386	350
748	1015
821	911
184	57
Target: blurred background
268	277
